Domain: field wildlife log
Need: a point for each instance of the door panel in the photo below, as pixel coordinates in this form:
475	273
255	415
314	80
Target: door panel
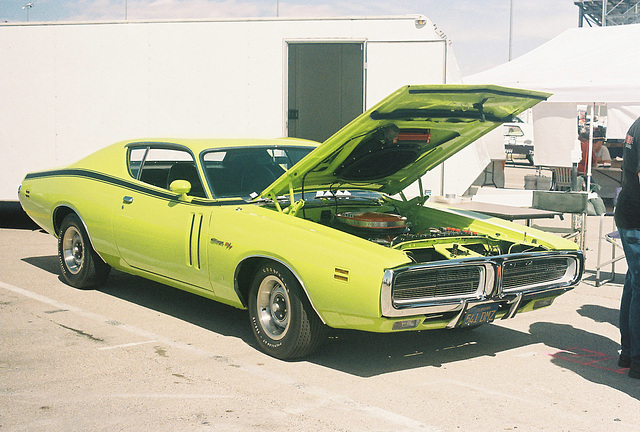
325	88
156	230
164	237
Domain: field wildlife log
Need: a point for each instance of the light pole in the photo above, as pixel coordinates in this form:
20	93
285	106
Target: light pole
510	28
27	7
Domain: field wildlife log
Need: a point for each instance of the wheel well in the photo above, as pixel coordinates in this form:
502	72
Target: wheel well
247	270
245	273
58	216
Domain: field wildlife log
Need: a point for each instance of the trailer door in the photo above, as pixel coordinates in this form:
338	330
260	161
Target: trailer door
325	87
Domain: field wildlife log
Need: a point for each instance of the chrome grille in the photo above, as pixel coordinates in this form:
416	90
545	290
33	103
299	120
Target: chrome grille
437	288
436	282
530	272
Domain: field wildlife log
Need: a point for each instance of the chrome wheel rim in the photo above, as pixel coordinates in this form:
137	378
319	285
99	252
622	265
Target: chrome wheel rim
273	307
73	250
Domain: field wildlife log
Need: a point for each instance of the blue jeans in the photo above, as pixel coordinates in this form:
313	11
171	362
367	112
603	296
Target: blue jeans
630	305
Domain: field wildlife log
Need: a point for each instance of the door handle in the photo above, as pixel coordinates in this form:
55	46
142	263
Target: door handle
127	200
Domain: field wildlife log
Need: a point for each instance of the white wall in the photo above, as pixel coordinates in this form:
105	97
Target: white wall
69	89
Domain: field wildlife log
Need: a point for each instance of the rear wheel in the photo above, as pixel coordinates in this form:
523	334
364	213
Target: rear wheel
80	265
283	321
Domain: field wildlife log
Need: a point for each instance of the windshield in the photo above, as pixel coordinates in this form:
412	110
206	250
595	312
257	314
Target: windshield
245	172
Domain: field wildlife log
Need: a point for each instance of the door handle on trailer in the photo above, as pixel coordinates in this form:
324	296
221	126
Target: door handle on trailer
127	200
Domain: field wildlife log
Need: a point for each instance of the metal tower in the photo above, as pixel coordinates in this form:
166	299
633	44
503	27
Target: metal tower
608	12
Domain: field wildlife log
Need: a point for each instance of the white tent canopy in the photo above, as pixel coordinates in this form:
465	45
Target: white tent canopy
580	66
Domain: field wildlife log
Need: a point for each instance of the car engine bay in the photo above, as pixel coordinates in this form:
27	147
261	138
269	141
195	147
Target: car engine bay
423	239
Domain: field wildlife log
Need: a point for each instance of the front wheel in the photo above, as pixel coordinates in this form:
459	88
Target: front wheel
283	321
80	265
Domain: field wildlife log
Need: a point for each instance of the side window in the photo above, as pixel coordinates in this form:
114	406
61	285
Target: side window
161	166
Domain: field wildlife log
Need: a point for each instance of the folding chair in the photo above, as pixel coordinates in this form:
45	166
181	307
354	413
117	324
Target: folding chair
612	238
561	178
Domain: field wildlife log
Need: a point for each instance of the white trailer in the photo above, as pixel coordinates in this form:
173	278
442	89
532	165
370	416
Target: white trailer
67	89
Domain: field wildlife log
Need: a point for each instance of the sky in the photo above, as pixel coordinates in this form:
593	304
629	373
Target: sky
478	29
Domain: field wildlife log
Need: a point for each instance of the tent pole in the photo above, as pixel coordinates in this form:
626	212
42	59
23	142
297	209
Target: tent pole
590	156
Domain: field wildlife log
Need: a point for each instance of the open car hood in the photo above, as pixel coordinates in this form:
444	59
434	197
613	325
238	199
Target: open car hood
402	137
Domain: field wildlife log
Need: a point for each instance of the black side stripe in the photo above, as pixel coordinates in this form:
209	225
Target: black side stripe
104	178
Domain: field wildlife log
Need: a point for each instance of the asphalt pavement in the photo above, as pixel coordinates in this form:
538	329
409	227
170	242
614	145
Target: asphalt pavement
135	355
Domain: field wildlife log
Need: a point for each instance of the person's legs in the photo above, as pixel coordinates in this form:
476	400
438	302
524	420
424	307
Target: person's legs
630	304
625	336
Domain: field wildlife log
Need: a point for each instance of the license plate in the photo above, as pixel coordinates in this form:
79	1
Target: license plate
481	314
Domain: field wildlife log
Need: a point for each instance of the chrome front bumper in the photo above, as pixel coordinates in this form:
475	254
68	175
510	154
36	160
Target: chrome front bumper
505	279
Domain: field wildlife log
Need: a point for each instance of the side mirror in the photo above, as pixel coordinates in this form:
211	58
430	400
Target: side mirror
181	187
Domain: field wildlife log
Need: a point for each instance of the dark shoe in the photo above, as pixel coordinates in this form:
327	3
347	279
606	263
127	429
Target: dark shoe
634	370
624	361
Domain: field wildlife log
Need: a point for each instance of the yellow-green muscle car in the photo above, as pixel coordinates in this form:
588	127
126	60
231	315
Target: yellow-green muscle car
307	236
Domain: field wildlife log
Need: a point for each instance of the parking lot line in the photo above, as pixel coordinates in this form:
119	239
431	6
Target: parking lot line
126	345
324	396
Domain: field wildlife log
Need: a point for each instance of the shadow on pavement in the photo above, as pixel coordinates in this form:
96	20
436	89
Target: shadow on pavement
205	313
358	353
592	356
600	314
589	276
197	310
363	354
47	263
370	354
12	216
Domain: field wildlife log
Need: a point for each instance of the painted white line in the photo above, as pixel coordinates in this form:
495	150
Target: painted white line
325	397
38	297
126	345
99	318
28	397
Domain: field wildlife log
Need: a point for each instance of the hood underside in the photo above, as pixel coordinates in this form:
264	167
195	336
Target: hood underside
405	135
